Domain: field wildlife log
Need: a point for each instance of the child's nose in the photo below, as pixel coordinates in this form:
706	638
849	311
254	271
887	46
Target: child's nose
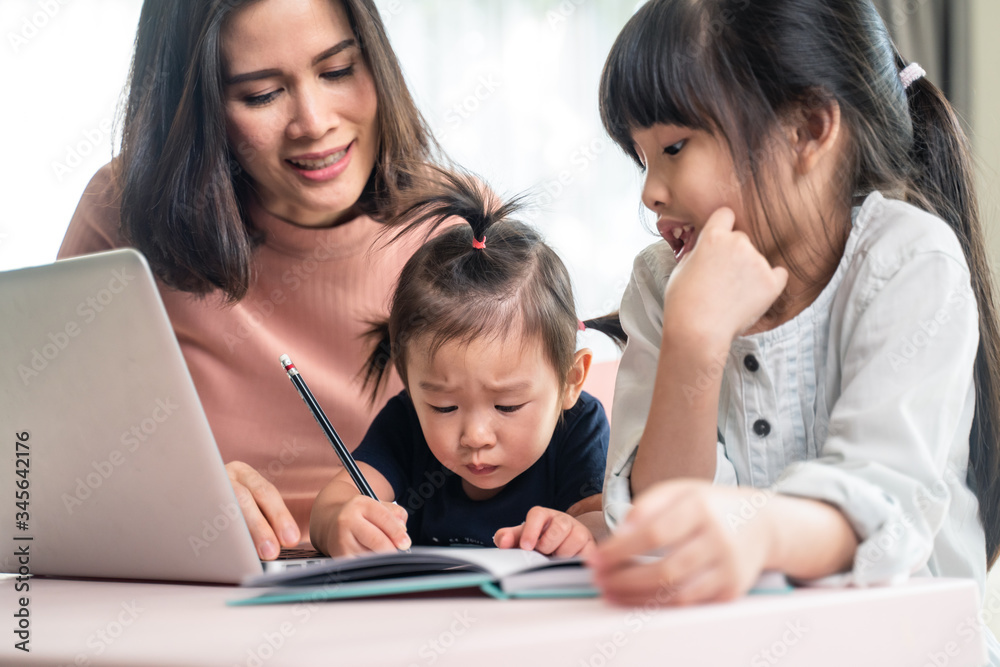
655	193
477	433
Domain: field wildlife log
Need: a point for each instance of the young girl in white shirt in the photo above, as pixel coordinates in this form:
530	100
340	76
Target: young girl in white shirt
810	382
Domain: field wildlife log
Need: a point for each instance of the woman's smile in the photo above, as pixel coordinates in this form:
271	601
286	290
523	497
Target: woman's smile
301	104
322	167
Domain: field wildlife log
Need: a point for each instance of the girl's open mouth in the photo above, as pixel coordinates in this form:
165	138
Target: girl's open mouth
681	240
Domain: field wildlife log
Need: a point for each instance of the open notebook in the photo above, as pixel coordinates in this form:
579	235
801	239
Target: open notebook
501	573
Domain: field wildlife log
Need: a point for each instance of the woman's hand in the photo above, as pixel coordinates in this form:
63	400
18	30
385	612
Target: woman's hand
271	524
724	285
713	548
364	525
548	531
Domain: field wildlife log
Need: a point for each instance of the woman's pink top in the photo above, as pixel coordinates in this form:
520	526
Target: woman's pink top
314	293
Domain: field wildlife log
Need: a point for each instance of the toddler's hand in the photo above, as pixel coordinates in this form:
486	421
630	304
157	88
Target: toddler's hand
365	524
724	285
712	551
548	531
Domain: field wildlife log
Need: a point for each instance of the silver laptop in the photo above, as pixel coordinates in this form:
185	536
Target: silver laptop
108	467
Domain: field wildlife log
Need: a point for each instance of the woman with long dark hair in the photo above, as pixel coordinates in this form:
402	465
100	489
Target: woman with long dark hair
263	144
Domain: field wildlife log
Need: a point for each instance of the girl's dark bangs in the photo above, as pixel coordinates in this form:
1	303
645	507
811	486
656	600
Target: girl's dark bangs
651	75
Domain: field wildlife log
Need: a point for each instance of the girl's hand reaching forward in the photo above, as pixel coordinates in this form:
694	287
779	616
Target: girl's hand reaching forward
723	285
708	556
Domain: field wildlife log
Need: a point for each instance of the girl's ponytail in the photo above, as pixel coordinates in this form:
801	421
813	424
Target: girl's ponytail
611	326
943	182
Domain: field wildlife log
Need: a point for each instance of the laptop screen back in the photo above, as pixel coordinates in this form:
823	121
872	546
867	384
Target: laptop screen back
108	467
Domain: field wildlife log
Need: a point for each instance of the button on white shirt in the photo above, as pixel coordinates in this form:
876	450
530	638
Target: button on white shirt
864	400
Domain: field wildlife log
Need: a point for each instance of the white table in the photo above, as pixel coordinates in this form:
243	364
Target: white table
115	623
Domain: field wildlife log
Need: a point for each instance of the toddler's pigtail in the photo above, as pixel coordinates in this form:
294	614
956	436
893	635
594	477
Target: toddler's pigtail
611	326
944	183
485	274
439	194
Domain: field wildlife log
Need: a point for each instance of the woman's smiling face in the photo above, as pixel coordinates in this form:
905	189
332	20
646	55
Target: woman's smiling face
300	108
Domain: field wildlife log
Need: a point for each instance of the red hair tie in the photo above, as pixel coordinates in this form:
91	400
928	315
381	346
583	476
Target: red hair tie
477	244
580	325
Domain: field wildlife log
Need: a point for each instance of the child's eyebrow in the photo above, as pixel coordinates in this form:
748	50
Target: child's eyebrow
431	386
511	387
500	388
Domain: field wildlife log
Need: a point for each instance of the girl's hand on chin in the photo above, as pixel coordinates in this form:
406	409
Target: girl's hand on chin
723	285
708	549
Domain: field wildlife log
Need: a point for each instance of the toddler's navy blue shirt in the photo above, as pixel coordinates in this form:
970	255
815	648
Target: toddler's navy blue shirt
441	514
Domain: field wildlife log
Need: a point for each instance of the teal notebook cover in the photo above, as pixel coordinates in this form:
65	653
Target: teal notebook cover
500	573
366	589
420	584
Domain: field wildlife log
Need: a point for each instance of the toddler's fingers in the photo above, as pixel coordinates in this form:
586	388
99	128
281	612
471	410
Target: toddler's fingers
400	538
588	549
579	542
396	528
402	542
385	526
355	541
557	531
400	512
534	525
347	546
506	538
373	537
